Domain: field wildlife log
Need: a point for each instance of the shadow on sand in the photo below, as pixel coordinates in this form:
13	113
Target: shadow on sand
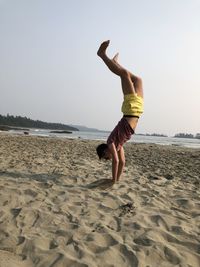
101	184
40	177
45	178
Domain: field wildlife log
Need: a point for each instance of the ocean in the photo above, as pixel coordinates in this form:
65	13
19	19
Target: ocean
102	136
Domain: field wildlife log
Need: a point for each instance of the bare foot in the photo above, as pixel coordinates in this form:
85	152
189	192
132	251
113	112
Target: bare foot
102	49
115	58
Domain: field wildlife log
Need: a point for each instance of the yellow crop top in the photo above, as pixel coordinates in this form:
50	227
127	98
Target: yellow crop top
132	105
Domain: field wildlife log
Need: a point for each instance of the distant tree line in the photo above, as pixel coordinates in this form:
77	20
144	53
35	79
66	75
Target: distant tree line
179	135
186	135
18	121
156	134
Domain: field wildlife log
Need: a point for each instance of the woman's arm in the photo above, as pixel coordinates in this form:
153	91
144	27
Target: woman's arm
115	161
121	163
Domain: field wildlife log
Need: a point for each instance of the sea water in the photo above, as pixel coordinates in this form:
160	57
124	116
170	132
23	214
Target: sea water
102	136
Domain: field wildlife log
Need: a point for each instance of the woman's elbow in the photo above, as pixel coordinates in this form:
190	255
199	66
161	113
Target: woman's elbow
122	162
116	160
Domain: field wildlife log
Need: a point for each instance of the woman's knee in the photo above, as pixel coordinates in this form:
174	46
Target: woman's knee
125	73
138	80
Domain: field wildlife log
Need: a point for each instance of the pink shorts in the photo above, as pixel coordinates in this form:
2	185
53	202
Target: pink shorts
121	134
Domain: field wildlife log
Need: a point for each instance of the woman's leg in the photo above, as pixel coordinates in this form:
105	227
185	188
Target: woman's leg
137	82
113	65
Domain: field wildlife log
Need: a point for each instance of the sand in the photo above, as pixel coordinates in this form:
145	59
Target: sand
58	207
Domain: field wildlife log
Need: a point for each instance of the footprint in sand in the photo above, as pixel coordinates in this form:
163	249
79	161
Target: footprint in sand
108	204
136	226
171	256
169	176
114	224
30	192
128	255
3	235
143	241
5	203
53	244
159	221
178	230
73	249
184	203
21	240
15	212
98	243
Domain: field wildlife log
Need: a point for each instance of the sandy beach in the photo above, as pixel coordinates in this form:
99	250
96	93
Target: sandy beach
59	209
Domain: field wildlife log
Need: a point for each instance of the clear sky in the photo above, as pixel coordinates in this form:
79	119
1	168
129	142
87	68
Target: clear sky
49	69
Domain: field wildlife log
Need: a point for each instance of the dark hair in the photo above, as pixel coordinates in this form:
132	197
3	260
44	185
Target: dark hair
101	150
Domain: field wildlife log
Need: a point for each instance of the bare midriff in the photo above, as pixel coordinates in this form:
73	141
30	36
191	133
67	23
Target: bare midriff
132	122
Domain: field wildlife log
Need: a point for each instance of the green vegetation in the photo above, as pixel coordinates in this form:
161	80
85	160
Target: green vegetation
197	136
154	134
18	121
186	135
